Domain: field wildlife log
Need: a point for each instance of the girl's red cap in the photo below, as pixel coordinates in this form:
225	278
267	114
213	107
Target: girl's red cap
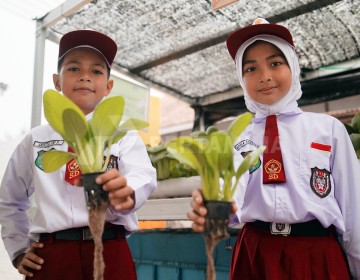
259	27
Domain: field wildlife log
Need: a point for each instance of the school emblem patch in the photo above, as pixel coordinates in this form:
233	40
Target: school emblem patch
38	160
273	168
320	182
253	167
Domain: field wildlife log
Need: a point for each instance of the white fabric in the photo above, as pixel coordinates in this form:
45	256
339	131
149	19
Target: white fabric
295	201
288	103
57	205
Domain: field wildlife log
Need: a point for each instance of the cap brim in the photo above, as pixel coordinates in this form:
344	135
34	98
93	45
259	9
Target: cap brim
237	38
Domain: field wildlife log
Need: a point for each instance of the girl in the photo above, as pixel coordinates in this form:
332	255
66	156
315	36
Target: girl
306	190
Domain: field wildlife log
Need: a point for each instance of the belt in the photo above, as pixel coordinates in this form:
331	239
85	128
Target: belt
111	231
310	228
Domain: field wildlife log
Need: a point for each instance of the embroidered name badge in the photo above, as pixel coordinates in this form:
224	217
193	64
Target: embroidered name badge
244	143
272	169
320	182
48	144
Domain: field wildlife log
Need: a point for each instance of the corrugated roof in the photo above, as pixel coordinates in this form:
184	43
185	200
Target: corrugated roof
179	45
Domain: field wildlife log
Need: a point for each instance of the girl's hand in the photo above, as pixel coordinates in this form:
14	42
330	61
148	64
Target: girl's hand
198	211
121	196
26	263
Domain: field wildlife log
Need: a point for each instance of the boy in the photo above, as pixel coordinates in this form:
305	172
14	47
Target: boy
307	190
60	220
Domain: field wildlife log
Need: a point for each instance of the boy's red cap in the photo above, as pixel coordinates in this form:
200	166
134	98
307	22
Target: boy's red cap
259	27
91	39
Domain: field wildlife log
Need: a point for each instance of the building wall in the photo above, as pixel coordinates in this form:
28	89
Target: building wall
343	109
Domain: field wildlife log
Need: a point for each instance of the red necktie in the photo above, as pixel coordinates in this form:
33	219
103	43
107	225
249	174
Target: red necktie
273	168
72	171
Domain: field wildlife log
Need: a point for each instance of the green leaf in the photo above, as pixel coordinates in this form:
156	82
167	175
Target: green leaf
75	125
208	170
159	155
107	116
211	129
249	161
54	106
53	160
355	139
156	149
177	149
355	123
238	125
129	124
220	147
117	136
349	129
133	124
198	134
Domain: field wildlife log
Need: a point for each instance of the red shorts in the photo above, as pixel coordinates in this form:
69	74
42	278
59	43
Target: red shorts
259	255
73	260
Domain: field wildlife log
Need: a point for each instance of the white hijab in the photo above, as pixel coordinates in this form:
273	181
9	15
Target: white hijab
286	105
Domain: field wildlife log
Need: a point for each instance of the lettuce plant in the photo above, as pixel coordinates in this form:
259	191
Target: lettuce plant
89	139
210	153
166	165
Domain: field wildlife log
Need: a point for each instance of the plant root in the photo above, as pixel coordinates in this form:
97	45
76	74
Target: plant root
96	224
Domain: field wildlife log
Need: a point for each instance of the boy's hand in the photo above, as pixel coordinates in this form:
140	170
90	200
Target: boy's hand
121	196
198	212
25	263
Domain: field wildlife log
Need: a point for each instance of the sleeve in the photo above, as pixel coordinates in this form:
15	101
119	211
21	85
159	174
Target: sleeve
16	187
240	189
346	176
135	165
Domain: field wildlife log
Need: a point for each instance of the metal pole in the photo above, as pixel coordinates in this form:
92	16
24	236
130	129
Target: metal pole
38	74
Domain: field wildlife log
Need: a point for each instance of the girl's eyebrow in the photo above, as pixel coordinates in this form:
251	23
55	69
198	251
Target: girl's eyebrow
275	56
251	61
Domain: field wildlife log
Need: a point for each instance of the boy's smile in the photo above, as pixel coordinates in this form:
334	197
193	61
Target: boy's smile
83	78
266	73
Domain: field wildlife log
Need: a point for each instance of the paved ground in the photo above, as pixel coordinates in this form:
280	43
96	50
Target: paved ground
7	271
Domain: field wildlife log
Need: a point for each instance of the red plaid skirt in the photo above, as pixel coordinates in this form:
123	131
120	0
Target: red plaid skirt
260	255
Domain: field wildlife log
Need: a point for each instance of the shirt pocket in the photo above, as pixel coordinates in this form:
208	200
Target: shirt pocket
315	174
320	155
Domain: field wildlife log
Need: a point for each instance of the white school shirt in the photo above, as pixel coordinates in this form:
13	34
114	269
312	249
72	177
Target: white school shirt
335	201
55	204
